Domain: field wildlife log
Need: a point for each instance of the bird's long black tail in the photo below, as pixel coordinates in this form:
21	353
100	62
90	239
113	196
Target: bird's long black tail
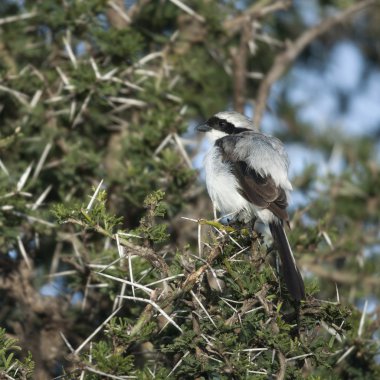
292	276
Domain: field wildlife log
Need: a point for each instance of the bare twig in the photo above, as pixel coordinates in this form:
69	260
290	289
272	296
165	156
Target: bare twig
258	10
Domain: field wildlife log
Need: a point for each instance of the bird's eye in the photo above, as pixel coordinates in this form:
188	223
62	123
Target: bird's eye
222	123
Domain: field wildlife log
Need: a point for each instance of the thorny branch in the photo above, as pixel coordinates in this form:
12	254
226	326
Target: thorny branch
143	252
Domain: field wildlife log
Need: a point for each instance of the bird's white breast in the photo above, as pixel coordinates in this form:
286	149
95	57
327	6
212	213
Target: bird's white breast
223	189
222	185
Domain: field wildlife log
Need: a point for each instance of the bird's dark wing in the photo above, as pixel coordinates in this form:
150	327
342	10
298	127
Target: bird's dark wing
254	187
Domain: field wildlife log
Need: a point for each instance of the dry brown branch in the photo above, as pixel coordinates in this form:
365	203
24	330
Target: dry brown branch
240	57
244	24
148	254
258	10
283	59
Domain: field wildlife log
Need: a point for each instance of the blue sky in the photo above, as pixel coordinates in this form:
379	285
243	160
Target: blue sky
317	94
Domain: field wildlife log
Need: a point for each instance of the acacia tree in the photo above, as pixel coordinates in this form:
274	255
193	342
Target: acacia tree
96	172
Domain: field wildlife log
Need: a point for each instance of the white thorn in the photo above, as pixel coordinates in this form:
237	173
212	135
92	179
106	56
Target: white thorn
4	168
131	273
362	319
70	52
24	178
178	363
41	198
76	352
162	312
23	252
345	354
135	284
188	10
42	160
92	200
202	307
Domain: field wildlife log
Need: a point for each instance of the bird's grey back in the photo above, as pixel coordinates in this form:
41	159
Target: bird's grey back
265	154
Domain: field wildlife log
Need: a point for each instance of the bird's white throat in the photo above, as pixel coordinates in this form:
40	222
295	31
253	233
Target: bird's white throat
214	134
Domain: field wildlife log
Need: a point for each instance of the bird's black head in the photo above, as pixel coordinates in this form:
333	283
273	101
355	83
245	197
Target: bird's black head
226	123
218	124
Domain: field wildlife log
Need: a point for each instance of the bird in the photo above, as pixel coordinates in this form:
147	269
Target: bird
246	174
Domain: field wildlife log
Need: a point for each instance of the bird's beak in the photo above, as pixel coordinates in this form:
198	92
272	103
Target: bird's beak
203	128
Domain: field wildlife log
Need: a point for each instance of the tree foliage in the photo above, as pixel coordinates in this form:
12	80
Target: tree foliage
99	275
